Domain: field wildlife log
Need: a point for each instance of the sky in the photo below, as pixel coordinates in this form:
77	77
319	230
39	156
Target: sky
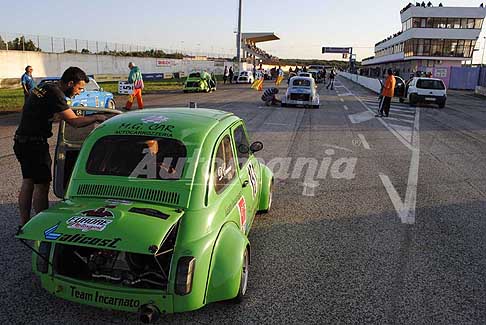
209	26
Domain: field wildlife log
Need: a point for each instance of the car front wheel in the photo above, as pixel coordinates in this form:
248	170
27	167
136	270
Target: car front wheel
111	104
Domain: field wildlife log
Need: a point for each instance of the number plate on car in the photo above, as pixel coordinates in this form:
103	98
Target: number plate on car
430	98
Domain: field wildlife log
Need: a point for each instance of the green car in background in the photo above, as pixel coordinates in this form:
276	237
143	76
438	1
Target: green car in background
200	81
156	214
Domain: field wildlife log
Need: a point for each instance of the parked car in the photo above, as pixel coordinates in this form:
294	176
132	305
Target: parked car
301	91
92	96
421	90
245	77
305	74
200	81
156	214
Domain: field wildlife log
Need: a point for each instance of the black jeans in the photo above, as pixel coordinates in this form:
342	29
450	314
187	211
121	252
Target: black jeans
385	106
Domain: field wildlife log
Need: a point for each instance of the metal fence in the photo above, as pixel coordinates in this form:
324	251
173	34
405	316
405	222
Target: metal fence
51	44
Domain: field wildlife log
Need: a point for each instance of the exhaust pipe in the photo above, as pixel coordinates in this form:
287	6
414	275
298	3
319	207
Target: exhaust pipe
149	313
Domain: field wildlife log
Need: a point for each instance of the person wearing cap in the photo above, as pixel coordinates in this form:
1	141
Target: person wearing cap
135	78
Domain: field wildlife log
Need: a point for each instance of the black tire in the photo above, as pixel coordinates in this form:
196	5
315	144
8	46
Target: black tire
412	100
185	91
401	99
270	199
243	278
442	105
111	104
315	106
284	105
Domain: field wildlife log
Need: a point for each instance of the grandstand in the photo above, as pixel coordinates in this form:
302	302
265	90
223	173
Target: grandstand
251	51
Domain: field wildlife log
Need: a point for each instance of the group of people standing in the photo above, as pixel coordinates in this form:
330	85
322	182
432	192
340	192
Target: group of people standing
228	75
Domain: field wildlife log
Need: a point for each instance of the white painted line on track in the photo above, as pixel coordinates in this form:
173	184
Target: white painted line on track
346	107
278	124
399	120
365	143
341	100
400	138
406	210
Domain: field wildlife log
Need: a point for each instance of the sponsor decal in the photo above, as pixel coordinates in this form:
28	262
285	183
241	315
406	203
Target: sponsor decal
155	119
51	234
101	298
253	180
242	210
149	129
95	220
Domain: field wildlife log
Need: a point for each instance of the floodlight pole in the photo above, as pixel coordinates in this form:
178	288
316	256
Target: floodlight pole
238	37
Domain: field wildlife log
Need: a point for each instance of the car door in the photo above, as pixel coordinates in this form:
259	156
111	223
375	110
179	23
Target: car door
399	87
69	142
248	171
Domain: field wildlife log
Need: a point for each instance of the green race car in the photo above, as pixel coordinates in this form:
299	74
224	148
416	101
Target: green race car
200	81
156	213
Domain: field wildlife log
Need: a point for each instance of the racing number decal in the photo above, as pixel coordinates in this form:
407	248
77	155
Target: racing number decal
253	180
242	209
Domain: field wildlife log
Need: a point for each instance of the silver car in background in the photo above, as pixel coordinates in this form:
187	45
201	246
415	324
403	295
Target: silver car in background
302	91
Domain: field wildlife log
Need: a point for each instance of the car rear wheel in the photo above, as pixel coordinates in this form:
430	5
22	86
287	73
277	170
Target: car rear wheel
412	100
315	106
401	99
442	105
243	278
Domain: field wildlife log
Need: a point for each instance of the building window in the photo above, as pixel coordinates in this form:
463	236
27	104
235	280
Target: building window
439	48
443	23
478	24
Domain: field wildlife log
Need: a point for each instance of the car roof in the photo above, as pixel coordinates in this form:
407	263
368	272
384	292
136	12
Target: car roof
426	78
304	78
189	125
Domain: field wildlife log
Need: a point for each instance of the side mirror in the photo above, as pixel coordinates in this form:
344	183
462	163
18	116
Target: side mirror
101	89
256	146
243	148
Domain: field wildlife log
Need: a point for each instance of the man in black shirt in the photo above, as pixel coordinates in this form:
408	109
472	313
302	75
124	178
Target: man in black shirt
30	141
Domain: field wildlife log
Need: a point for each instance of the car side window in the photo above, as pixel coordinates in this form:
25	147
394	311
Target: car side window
242	145
224	165
91	86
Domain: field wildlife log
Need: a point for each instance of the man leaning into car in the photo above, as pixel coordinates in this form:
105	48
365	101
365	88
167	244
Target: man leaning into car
30	141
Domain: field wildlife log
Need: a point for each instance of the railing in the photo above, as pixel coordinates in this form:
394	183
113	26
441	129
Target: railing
51	44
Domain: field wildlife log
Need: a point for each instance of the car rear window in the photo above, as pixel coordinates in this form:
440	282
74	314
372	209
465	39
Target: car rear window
301	83
195	75
430	84
137	157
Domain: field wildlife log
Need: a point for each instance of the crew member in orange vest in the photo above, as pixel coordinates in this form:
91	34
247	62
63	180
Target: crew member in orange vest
388	92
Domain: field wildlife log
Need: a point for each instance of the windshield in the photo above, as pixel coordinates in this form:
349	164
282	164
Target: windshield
430	84
301	83
137	156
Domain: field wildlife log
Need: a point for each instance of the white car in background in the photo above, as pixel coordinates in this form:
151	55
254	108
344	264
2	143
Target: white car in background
421	90
245	77
301	92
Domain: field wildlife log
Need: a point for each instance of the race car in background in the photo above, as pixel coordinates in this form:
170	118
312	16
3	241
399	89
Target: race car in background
301	92
200	81
92	96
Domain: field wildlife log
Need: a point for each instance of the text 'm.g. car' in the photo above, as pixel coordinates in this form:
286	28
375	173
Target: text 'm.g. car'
301	92
156	214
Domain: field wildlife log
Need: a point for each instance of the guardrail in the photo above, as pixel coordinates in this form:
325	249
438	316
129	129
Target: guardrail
370	83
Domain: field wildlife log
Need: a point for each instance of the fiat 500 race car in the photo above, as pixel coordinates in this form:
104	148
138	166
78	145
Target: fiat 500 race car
302	92
156	214
200	81
92	96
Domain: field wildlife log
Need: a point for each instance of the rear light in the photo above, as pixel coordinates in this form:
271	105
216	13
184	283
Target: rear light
43	257
185	273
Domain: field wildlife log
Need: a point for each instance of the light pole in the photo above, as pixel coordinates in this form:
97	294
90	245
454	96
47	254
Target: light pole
238	37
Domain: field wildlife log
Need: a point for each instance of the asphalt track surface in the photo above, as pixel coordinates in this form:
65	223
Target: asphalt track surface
393	232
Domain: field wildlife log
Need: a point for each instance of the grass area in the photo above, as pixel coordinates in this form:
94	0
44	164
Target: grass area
12	100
